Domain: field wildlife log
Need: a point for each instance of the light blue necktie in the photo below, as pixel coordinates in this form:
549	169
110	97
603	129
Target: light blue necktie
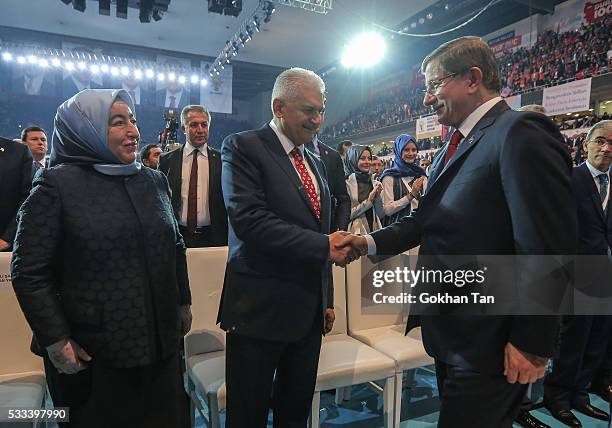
603	186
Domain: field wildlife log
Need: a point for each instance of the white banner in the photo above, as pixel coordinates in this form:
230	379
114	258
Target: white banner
216	96
567	98
427	127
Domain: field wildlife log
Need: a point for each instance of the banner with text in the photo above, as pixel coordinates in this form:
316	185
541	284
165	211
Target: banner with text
567	98
594	11
428	127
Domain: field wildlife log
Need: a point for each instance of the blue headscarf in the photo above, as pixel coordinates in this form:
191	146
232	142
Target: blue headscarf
352	158
81	132
400	168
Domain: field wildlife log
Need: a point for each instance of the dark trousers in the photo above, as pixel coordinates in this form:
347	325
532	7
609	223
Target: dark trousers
150	396
475	400
201	238
584	339
261	373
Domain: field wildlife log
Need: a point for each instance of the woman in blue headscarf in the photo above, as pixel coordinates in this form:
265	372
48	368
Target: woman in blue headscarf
363	190
99	270
404	182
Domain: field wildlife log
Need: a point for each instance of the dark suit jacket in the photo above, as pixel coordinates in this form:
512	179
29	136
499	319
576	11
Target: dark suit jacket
595	225
506	191
99	259
15	184
278	278
341	203
171	164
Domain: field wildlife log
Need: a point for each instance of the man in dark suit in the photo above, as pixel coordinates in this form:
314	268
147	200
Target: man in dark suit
584	338
500	186
194	175
341	204
278	294
15	183
36	139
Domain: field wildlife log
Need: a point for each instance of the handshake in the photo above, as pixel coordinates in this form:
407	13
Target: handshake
345	247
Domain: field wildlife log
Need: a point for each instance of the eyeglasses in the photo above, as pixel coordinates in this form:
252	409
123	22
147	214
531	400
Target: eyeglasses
313	112
432	86
600	141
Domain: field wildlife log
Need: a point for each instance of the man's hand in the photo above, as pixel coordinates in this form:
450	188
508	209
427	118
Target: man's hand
4	246
339	253
330	317
185	318
68	357
522	366
358	243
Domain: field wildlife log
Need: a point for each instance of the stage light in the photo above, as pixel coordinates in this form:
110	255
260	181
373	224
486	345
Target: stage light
364	51
56	62
421	20
94	68
7	56
104	68
150	73
43	63
194	79
204	82
430	15
81	65
256	23
161	77
182	79
114	71
69	65
32	59
138	74
125	71
413	25
21	60
171	77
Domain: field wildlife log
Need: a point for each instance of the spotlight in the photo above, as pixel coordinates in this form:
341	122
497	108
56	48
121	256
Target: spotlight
81	65
94	68
194	79
114	71
150	74
43	63
138	74
171	77
32	59
182	79
421	20
430	16
446	7
204	82
56	62
104	68
7	56
413	25
69	65
256	23
365	50
21	60
161	77
125	71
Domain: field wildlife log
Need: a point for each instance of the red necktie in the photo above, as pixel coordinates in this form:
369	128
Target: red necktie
192	196
306	180
452	146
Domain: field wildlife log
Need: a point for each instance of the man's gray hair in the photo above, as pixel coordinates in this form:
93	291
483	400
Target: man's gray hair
193	107
604	124
287	83
533	107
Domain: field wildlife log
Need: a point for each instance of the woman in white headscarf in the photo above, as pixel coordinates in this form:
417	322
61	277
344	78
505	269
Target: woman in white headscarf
99	270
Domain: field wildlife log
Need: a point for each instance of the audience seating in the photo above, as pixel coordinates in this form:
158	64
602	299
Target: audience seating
22	378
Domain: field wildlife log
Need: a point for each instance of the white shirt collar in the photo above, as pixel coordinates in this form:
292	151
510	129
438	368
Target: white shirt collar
594	171
188	149
288	145
469	122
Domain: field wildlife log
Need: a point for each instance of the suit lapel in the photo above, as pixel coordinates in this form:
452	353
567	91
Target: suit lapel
469	142
280	157
588	183
175	185
214	166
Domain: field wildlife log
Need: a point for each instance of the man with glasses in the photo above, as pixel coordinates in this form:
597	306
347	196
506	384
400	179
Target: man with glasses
501	186
585	338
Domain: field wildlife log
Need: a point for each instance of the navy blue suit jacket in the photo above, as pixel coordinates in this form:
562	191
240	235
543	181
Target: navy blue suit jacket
15	184
595	225
506	191
278	278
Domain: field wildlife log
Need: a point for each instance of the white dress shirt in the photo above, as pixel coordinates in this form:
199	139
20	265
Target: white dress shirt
203	173
288	146
595	173
465	128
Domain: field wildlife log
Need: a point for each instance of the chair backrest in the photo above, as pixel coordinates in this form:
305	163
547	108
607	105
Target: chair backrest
362	312
15	333
339	301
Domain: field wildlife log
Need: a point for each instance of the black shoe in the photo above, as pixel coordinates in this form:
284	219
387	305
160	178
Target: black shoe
527	420
602	391
567	418
594	412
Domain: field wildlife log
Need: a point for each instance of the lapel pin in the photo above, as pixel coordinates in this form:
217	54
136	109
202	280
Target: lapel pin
1	149
471	140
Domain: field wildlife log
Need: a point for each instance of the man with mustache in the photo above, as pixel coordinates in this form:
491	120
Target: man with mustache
194	175
500	186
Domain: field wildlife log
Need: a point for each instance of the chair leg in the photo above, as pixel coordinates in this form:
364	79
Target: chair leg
347	393
214	417
389	402
397	405
313	421
339	396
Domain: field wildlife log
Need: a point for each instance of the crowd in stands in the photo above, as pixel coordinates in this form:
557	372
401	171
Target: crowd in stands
552	59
